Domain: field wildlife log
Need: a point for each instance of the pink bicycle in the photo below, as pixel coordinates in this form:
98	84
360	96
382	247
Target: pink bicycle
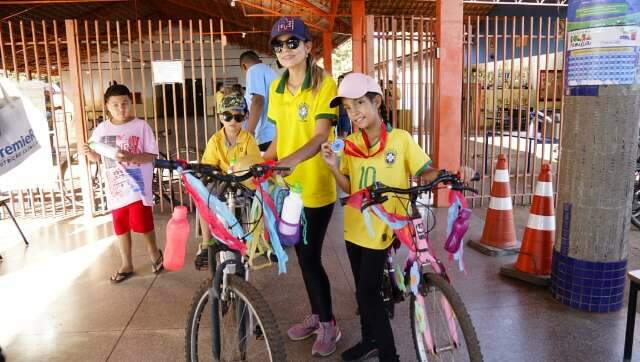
441	327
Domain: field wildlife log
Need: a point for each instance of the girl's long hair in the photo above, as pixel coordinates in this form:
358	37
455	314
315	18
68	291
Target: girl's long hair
317	73
384	113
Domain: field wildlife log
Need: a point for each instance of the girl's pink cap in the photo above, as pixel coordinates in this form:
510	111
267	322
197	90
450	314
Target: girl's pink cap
355	85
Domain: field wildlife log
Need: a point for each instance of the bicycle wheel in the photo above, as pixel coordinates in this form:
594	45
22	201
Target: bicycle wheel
245	327
437	296
635	203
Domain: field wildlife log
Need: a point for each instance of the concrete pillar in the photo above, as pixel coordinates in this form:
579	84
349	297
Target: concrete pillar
358	26
599	146
448	95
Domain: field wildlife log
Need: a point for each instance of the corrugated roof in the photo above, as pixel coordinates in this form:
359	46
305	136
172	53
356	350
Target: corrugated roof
253	17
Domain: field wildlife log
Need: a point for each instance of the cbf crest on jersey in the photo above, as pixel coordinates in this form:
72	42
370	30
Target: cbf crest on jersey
390	157
303	111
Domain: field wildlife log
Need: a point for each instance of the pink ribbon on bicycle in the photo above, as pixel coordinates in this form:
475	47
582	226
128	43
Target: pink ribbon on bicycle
398	223
218	229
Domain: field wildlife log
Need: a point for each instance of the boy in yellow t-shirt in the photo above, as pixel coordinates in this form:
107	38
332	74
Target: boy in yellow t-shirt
229	144
376	153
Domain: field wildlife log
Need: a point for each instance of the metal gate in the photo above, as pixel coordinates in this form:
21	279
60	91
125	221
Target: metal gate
404	59
35	51
83	58
513	98
181	114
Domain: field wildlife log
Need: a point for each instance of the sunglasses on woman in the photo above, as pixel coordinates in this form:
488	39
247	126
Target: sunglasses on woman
228	117
291	43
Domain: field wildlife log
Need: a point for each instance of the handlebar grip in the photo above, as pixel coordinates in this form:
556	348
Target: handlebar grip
204	169
280	168
476	177
470	189
167	164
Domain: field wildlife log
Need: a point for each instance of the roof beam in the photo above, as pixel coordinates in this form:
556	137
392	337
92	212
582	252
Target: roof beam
273	12
333	7
52	2
218	14
556	3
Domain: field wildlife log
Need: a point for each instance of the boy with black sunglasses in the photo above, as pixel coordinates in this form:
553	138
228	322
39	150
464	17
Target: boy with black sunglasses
231	141
226	146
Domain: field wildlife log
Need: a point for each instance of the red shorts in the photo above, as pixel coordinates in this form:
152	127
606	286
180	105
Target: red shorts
135	216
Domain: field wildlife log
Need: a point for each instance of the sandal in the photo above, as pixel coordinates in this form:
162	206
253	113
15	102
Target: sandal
120	277
157	265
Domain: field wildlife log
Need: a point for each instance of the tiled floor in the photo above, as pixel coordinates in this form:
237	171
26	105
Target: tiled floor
57	304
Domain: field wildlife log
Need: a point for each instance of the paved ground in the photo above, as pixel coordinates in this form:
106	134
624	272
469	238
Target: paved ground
57	304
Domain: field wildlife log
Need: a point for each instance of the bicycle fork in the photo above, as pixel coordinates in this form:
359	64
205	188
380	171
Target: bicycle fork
423	258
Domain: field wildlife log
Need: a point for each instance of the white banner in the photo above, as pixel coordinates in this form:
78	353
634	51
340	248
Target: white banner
25	147
167	71
613	36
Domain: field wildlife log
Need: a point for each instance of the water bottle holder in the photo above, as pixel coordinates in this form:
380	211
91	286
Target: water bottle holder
289	239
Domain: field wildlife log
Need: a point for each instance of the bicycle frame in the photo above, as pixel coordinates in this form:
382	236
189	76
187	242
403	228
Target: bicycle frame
420	256
420	238
231	260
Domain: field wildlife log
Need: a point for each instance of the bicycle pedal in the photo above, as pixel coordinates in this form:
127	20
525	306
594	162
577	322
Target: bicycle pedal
200	267
201	261
257	332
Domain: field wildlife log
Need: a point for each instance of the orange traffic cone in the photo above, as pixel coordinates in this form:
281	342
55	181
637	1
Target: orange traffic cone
534	262
499	233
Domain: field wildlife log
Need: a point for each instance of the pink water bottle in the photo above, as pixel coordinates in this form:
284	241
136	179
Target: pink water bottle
177	235
458	229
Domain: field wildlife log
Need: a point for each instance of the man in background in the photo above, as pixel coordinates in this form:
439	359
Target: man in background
258	78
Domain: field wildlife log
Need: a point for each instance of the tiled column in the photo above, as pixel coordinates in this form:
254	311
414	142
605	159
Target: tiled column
599	148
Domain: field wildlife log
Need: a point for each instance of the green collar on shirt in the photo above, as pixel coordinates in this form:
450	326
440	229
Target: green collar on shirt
285	77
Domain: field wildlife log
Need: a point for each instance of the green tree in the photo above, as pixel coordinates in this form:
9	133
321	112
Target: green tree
341	59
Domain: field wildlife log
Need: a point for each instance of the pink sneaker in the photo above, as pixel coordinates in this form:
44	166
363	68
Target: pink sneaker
305	329
328	335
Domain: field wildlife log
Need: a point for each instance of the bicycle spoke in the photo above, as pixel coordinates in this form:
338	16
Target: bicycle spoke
446	349
239	341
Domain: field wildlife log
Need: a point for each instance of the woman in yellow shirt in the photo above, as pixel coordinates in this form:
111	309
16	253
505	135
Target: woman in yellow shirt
299	108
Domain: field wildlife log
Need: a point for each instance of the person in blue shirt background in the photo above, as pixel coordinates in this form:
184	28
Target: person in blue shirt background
258	78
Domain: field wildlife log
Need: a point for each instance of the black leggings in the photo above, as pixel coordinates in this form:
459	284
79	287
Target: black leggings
310	259
367	266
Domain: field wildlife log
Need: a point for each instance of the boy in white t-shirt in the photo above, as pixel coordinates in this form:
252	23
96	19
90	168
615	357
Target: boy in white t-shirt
128	177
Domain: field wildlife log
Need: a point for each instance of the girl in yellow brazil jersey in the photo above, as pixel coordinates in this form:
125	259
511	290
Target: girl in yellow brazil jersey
378	153
299	108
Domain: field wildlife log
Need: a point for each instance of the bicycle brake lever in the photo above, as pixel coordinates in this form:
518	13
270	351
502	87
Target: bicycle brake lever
379	200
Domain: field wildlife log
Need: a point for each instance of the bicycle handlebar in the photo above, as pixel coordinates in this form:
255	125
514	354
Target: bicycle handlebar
378	189
257	170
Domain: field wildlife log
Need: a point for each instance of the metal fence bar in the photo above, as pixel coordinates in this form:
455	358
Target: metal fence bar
505	89
406	73
131	62
155	106
35	46
64	111
56	143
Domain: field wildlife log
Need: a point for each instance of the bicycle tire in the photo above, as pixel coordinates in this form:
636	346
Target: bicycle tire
252	298
434	281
